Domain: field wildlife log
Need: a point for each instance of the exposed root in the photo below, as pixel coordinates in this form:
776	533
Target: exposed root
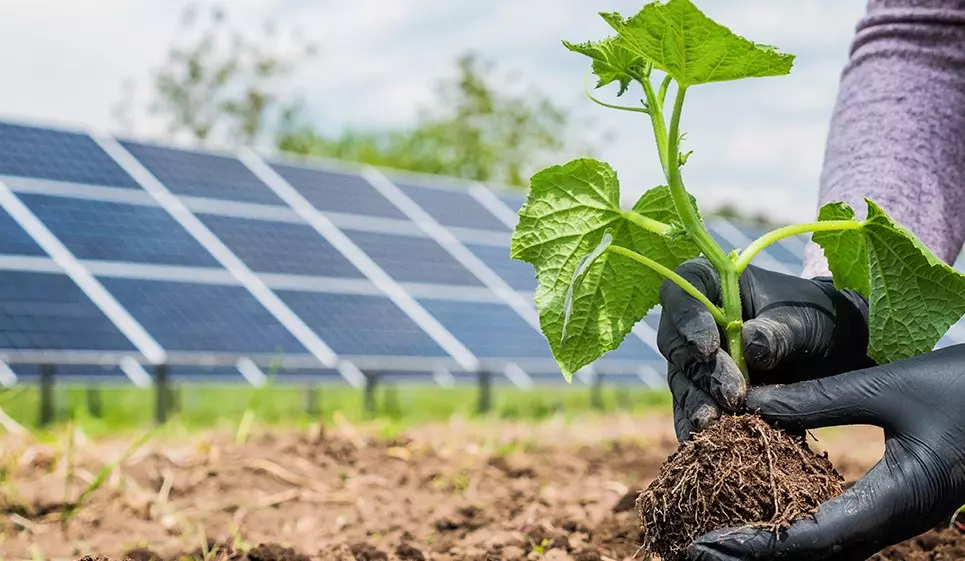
740	472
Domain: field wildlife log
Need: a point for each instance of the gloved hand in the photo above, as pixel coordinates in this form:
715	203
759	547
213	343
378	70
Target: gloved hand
795	329
919	482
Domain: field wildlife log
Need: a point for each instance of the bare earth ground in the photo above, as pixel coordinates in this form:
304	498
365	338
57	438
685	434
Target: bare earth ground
457	490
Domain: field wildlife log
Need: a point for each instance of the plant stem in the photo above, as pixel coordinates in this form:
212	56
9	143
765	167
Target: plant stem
648	224
683	283
586	90
787	231
732	320
656	119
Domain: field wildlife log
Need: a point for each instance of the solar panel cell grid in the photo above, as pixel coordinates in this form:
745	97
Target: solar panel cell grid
41	311
59	156
413	259
517	274
489	330
276	247
338	192
453	208
202	175
118	232
361	325
204	318
14	240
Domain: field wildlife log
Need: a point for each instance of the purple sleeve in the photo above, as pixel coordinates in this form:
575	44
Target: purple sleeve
898	130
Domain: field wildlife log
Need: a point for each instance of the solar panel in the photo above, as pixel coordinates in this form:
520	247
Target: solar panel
202	175
14	240
45	311
514	202
118	232
361	325
338	192
276	247
489	330
412	259
517	274
452	208
57	155
206	318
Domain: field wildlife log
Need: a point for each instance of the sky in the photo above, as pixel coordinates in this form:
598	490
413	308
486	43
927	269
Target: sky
758	143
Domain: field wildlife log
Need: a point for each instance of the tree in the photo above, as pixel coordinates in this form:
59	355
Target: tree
218	83
472	130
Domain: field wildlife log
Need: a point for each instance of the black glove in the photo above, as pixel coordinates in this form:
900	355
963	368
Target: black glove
919	482
795	329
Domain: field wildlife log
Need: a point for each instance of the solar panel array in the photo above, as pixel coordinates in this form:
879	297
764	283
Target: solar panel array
118	255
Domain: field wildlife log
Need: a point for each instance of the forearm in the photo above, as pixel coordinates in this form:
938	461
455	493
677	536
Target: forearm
898	131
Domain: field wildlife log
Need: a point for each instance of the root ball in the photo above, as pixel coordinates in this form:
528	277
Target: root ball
740	472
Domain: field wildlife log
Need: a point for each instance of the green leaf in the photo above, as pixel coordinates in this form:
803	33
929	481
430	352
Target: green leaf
850	264
569	210
683	42
914	297
612	61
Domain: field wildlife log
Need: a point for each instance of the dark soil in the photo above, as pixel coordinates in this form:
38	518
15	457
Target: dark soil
454	491
945	544
740	472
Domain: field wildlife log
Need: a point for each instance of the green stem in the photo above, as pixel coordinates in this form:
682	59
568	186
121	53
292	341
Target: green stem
683	283
732	319
662	94
586	90
787	231
648	224
656	119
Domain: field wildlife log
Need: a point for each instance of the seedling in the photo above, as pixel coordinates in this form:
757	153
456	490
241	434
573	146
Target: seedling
599	266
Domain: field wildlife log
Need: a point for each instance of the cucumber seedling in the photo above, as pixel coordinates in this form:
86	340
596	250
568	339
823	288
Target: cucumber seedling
599	268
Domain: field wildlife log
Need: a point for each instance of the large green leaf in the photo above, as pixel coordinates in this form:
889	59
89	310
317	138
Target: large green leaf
569	210
850	264
683	42
612	61
913	296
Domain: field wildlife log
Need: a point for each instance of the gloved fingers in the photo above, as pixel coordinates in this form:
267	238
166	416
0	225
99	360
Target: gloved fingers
852	526
852	398
691	319
784	333
694	409
718	377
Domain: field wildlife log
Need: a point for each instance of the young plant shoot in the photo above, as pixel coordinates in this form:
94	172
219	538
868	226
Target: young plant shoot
599	266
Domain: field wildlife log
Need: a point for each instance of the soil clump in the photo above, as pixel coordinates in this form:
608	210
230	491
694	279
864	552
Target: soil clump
740	472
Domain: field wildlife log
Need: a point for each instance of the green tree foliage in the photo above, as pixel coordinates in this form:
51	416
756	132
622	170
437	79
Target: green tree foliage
471	130
220	84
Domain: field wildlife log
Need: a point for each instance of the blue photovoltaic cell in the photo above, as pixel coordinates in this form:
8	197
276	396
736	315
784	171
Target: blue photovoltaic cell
14	240
514	202
632	349
59	156
199	317
489	330
202	175
195	373
278	247
118	232
338	192
777	250
517	274
412	259
353	324
41	311
453	208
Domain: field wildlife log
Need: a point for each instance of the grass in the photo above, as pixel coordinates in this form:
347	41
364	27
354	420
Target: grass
123	409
